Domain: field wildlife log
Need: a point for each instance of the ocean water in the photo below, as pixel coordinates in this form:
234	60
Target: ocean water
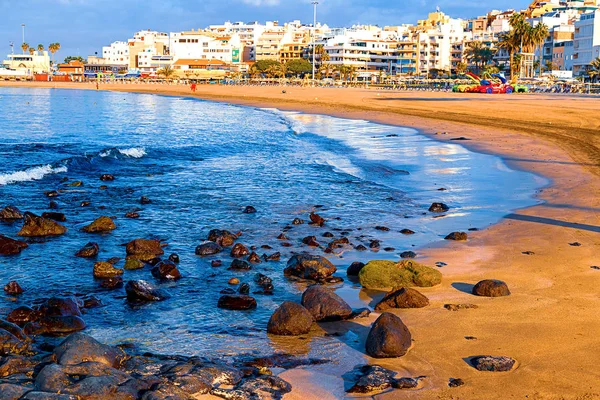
201	163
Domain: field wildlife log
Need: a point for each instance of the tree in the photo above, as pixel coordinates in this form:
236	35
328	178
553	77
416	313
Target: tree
479	53
299	67
40	48
461	68
75	58
53	48
510	42
593	69
264	65
167	72
538	37
490	69
25	47
549	66
31	50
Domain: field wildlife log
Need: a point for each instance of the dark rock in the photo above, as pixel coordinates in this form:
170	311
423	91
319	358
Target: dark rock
244	289
222	238
438	208
575	244
406	383
372	378
493	364
407	232
12	392
174	258
36	226
402	298
145	200
240	302
361	247
53	205
208	249
166	270
100	225
455	382
355	268
382	228
55	216
216	263
13	288
228	291
310	241
9	247
10	213
85	203
240	265
132	215
13	329
51	193
88	251
55	326
34	395
112	283
491	288
380	274
388	338
107	177
324	304
144	250
316	219
290	319
282	237
328	235
262	280
103	270
254	258
310	267
265	387
339	243
272	257
249	210
11	344
528	253
375	245
60	306
286	244
458	236
456	307
239	250
408	254
79	348
22	315
360	313
132	265
297	221
142	291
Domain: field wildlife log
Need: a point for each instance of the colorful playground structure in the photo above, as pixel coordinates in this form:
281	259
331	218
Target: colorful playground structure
490	84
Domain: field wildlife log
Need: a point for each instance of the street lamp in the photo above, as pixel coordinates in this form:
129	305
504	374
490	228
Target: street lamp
314	3
23	28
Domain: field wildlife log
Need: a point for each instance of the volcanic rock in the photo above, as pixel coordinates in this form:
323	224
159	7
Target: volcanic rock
491	288
237	302
388	338
88	251
13	288
309	267
402	298
166	270
324	304
103	270
79	348
239	250
10	213
144	250
457	236
36	226
493	364
208	249
9	247
240	265
100	225
290	319
142	291
438	208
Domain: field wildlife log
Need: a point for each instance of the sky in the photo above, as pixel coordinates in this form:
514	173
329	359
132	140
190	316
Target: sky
82	27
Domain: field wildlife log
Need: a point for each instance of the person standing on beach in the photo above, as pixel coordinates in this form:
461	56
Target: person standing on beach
193	87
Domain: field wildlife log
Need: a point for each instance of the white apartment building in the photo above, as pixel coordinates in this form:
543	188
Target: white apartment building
116	53
204	45
586	41
436	37
28	64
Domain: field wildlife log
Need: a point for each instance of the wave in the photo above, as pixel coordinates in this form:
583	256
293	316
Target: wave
30	174
133	152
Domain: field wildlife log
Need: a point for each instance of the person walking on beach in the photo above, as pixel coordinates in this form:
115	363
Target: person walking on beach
193	87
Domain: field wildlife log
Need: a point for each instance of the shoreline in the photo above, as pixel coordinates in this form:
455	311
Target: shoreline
554	282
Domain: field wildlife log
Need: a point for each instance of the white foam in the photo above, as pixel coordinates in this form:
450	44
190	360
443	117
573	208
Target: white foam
133	152
31	174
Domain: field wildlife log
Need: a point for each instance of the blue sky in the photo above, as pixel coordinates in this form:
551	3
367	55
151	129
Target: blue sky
84	26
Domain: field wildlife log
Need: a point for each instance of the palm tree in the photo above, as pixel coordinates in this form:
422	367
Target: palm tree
166	71
40	48
25	47
53	48
593	69
461	68
511	42
538	37
549	66
31	50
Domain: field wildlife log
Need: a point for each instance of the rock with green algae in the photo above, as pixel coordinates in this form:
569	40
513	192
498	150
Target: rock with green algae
380	274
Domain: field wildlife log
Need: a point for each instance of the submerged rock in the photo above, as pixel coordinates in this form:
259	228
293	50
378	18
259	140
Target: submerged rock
457	236
132	264
388	338
491	288
402	298
379	274
239	250
249	210
143	249
36	226
13	288
166	270
55	325
142	291
240	265
104	270
55	216
493	364
88	251
237	302
100	225
222	237
316	219
439	208
9	247
22	315
324	304
354	268
306	266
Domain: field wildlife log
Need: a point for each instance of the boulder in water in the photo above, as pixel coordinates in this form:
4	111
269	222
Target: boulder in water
324	304
142	291
10	213
79	348
222	237
439	208
208	249
144	250
237	302
100	225
103	270
239	250
36	226
354	268
13	288
316	219
55	216
166	270
290	319
88	251
9	247
380	274
388	338
457	236
311	267
249	210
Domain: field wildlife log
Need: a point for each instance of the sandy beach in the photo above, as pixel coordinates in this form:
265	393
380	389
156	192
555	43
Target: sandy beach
550	322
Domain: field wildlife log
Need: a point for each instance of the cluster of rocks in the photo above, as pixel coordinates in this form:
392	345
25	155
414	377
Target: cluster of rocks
81	368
